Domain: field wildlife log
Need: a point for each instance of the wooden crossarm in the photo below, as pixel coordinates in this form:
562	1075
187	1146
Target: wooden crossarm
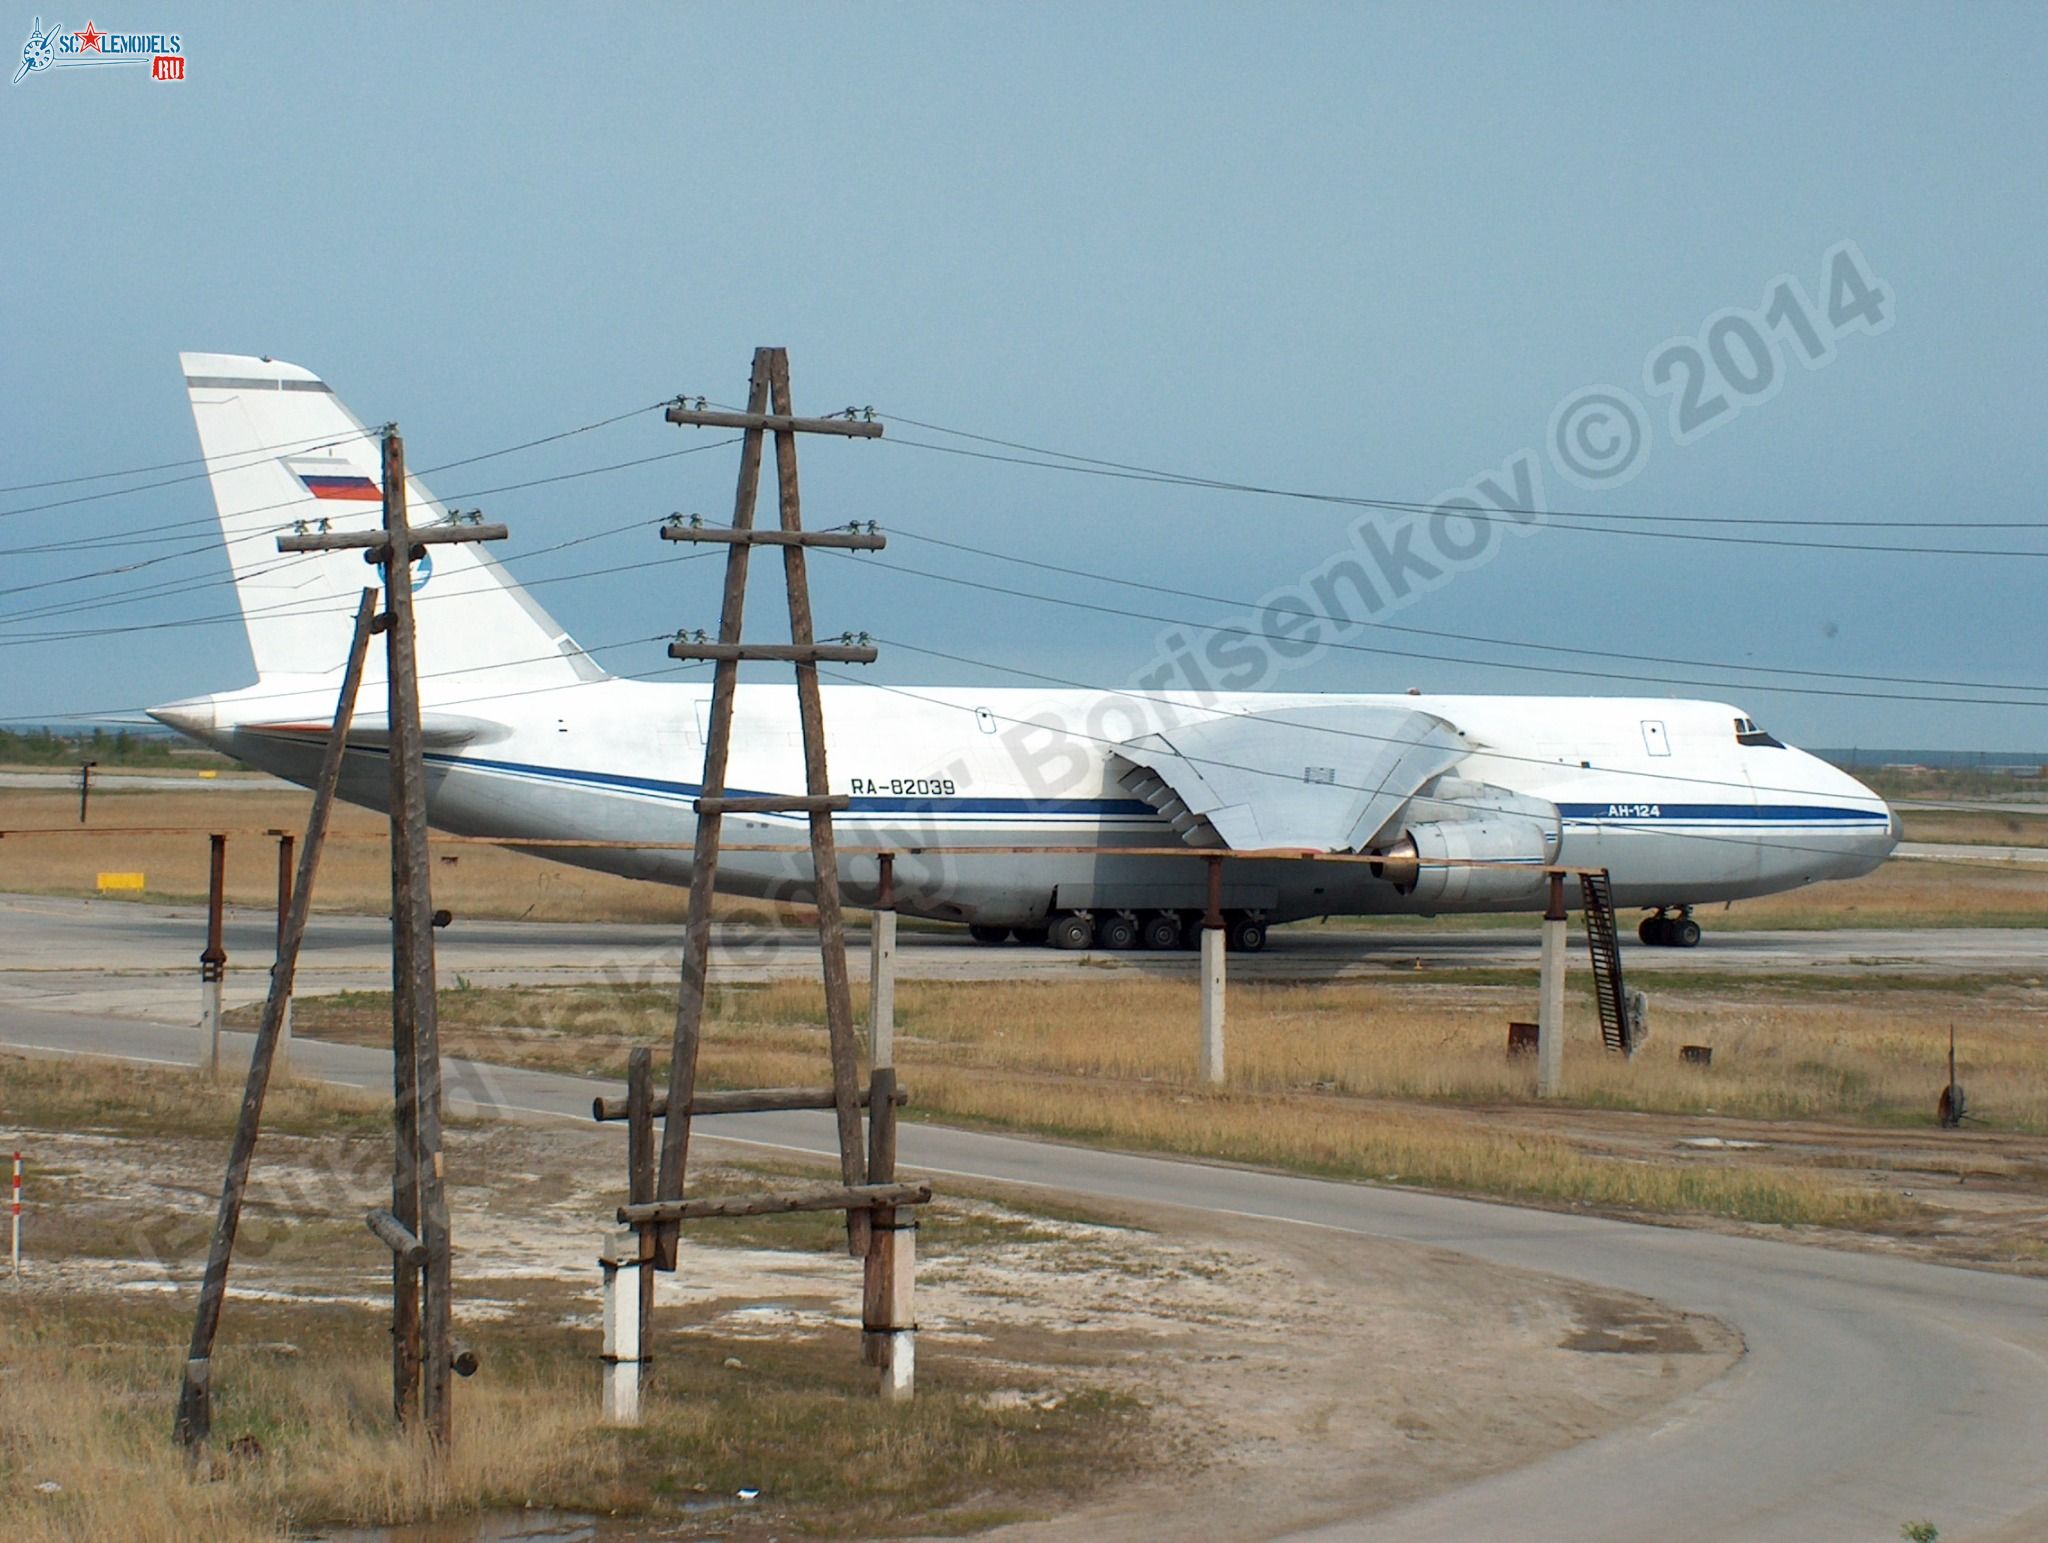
780	423
794	803
828	1197
783	653
375	540
736	1101
856	541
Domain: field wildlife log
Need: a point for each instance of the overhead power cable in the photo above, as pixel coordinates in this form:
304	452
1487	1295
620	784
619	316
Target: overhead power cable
1468	805
1551	521
1411	506
299	608
260	452
157	592
220	543
1262	607
263	453
83	542
138	712
1039	598
1180	704
257	457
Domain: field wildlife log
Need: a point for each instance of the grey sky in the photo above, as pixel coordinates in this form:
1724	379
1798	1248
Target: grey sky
1359	250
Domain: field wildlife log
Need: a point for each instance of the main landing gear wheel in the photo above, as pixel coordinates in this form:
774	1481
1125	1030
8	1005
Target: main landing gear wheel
1160	930
1033	937
982	934
1119	929
1664	931
1073	930
1244	934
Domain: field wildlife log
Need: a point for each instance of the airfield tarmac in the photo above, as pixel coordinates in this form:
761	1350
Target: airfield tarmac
136	960
1872	1389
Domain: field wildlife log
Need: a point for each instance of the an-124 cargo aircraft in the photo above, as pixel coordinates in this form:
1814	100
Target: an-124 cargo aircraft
1684	802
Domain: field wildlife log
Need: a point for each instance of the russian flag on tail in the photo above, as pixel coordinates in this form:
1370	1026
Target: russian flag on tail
334	479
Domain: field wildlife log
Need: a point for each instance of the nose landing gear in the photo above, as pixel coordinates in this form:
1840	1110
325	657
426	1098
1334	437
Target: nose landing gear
1667	931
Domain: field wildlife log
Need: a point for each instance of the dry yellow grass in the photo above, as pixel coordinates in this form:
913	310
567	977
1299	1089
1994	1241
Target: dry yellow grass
355	874
2016	828
91	1415
303	1436
1314	1069
1906	893
1859	1051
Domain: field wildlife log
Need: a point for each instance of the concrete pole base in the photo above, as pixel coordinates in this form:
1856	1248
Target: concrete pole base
888	1339
1550	1019
210	1010
1212	1005
622	1329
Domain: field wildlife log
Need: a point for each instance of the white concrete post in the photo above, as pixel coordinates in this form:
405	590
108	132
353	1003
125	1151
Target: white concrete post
1550	1014
622	1267
210	1006
1213	946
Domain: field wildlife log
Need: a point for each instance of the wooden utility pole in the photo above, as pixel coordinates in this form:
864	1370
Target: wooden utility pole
213	962
824	856
769	383
1550	1008
867	1191
882	967
284	905
195	1397
423	1349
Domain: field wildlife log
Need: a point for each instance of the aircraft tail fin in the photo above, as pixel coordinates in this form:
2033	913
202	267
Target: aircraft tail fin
285	454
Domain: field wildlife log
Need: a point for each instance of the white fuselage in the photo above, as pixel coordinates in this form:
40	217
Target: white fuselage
1659	792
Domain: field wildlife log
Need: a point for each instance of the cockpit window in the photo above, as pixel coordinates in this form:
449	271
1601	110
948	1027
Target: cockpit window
1747	733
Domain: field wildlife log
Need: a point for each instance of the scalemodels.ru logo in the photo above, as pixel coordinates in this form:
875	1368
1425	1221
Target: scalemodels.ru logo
56	49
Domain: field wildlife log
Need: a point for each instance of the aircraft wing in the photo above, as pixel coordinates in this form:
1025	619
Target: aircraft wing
1323	779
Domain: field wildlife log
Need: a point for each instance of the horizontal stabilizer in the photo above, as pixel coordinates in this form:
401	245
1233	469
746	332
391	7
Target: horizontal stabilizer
438	731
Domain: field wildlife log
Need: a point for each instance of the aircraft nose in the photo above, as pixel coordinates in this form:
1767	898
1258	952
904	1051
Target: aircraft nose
1873	848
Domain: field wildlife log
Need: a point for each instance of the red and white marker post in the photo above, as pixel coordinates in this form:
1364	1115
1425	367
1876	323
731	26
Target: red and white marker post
14	1246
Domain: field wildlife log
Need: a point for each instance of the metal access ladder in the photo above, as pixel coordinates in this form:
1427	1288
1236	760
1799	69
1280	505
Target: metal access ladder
1603	943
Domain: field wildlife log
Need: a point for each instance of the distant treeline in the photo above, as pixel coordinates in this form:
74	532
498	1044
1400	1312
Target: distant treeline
1921	781
44	747
1995	761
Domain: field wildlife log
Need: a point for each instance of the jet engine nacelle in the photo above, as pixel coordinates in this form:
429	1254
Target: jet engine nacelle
1429	861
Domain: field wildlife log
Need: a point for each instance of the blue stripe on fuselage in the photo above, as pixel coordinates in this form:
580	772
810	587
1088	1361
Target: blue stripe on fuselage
1619	812
865	805
1609	813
